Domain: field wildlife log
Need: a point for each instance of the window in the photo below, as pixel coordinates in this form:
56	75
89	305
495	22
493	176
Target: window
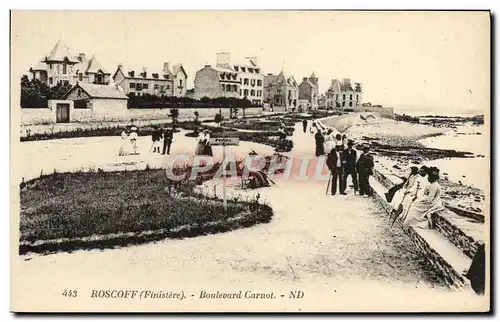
245	81
50	80
79	92
350	104
138	87
65	69
228	87
259	82
245	92
240	92
180	82
257	70
156	86
50	66
167	76
58	68
80	76
236	68
234	76
351	97
337	97
343	104
168	86
250	70
252	92
221	75
357	97
243	69
252	82
145	85
235	88
132	85
343	96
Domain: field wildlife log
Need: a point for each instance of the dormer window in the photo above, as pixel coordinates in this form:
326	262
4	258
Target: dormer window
155	75
243	69
236	68
257	71
250	70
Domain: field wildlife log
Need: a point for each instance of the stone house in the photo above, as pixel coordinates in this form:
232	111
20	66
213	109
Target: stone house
61	66
342	95
309	91
251	79
281	92
163	82
218	81
96	103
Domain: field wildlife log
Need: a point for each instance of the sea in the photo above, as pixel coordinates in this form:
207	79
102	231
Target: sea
466	137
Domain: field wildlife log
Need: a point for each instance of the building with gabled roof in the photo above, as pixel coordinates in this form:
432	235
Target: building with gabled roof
343	95
164	82
281	92
309	92
61	66
251	80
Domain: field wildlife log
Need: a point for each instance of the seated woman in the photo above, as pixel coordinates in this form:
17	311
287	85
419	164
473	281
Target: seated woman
395	194
420	211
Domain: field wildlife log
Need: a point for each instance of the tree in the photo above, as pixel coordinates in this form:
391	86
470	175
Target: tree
196	116
218	118
174	114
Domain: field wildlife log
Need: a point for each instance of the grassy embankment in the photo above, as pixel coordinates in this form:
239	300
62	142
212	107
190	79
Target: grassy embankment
89	205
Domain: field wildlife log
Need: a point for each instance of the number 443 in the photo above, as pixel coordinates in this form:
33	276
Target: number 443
70	293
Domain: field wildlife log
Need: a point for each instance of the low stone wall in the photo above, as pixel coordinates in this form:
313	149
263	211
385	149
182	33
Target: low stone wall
186	113
387	112
38	115
450	276
442	220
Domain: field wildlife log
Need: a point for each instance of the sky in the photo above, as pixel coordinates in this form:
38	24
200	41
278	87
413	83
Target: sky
437	61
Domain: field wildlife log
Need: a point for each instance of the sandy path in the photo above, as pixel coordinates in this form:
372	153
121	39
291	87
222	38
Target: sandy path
337	249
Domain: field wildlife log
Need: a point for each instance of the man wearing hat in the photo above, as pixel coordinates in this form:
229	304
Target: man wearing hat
364	167
168	137
334	162
349	157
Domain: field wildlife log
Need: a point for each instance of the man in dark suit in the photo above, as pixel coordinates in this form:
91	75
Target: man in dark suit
349	157
304	125
334	163
155	137
364	167
167	140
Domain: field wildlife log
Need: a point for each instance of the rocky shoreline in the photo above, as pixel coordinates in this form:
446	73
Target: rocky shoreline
397	146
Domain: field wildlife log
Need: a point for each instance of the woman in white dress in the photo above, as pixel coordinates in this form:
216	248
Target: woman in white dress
429	202
415	192
399	195
124	145
200	145
133	139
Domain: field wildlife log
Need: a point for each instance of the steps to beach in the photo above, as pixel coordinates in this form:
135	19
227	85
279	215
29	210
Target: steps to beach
439	249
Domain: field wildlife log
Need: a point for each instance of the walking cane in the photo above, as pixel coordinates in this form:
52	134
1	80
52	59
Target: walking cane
328	184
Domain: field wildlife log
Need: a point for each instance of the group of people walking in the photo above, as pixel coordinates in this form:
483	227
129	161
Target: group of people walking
128	143
165	134
417	197
203	146
343	163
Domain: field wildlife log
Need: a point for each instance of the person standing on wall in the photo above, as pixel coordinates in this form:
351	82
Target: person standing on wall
168	137
334	163
349	157
364	167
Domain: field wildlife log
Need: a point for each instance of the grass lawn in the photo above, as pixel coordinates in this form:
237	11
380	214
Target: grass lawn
72	205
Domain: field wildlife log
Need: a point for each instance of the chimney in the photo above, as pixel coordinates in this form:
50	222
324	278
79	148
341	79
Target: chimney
347	81
166	67
254	60
223	58
144	72
81	57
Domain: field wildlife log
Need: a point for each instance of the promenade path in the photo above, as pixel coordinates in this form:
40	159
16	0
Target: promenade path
339	250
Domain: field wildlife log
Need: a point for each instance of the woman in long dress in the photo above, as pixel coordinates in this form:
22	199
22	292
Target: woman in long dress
419	214
402	189
208	148
133	139
124	145
413	193
200	145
